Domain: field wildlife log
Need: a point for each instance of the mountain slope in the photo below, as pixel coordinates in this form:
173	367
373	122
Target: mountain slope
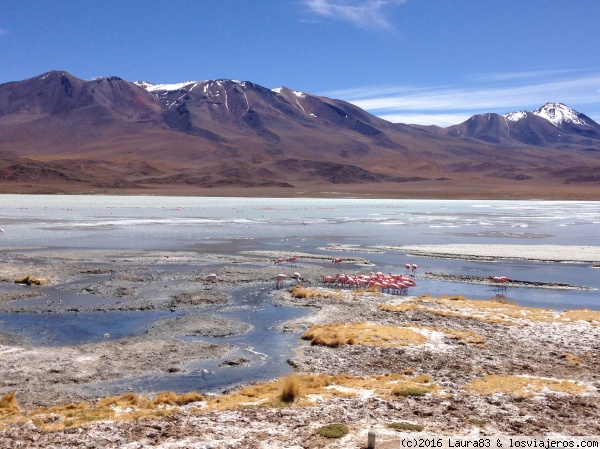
58	130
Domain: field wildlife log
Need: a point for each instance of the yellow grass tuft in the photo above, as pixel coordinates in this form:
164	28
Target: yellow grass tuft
171	398
571	358
303	292
117	408
290	389
492	311
31	280
591	316
8	404
367	334
467	336
125	400
269	394
522	386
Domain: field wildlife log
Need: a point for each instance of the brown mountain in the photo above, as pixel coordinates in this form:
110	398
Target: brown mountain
59	133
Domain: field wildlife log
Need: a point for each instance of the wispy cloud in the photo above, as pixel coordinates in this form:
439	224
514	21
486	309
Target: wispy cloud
448	105
368	14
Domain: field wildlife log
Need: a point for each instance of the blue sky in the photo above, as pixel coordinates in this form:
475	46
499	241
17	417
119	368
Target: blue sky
409	61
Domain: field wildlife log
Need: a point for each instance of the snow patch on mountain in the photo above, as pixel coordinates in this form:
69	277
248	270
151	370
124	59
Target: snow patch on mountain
515	116
557	113
150	87
280	90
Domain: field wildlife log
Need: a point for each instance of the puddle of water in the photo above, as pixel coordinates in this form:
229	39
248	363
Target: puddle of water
69	328
250	305
56	300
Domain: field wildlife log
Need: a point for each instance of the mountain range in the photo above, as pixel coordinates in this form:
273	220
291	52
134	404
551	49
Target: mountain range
62	134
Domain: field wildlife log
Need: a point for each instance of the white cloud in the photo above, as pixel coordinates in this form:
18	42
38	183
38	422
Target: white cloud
362	13
531	74
444	104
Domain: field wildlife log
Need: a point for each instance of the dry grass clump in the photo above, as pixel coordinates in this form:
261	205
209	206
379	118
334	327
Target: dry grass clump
492	311
466	336
125	400
125	407
290	389
571	358
171	398
523	386
301	292
31	280
368	334
8	404
591	316
306	388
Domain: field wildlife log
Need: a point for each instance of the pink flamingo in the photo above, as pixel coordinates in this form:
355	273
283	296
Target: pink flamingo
297	277
394	288
328	279
292	260
353	282
212	278
414	268
500	282
338	261
278	261
408	267
280	278
342	279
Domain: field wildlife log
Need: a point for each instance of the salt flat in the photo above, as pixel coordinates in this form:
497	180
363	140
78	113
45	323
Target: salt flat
555	253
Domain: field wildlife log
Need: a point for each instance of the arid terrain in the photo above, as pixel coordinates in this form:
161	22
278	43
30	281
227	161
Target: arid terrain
398	364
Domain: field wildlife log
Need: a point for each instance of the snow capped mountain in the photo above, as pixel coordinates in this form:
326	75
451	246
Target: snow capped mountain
553	124
558	113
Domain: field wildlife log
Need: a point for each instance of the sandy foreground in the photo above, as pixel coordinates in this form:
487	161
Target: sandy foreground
434	366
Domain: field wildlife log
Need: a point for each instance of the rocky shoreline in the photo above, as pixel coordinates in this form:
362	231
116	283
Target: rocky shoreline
481	367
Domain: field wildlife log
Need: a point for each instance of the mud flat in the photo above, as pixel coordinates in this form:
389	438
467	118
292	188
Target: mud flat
434	366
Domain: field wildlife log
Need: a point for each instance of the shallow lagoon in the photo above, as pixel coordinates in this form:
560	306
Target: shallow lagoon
286	226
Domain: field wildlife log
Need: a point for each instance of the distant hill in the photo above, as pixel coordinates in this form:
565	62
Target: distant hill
59	133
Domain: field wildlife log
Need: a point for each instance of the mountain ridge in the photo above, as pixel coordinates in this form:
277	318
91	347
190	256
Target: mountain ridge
221	133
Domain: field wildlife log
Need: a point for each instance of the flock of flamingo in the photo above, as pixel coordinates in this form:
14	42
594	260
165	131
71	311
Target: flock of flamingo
391	283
